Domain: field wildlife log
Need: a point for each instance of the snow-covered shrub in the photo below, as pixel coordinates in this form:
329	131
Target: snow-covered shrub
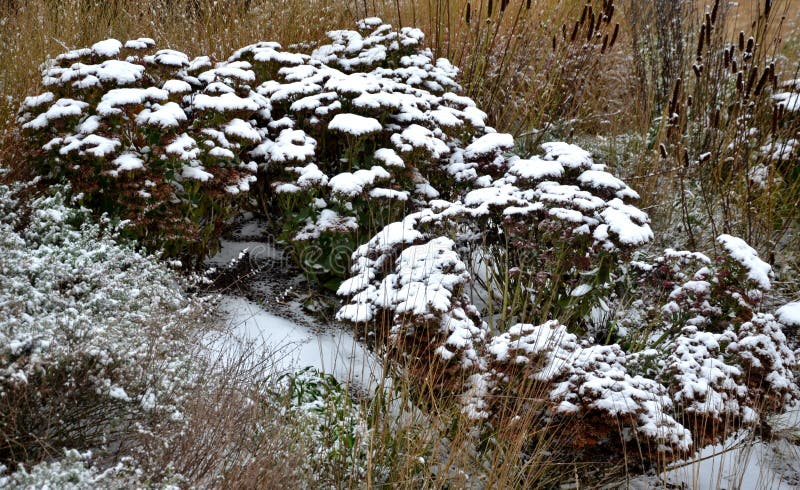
563	236
94	337
346	139
365	130
147	136
75	472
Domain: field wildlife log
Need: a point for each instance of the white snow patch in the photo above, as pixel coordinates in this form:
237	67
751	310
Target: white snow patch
286	346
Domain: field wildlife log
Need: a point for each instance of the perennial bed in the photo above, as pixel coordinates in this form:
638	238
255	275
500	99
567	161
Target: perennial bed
488	277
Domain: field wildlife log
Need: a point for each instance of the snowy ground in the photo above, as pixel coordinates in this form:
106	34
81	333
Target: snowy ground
287	346
264	315
739	464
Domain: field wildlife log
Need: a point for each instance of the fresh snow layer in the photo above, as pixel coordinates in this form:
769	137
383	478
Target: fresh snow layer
738	463
789	314
757	270
287	346
354	124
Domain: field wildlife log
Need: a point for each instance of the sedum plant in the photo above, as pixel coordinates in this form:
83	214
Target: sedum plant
150	137
559	244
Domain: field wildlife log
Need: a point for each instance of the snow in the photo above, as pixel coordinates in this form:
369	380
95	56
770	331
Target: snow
789	100
353	184
107	49
112	72
113	99
739	462
354	124
389	157
758	271
291	145
242	130
789	314
418	137
177	87
128	161
61	109
169	115
184	147
140	43
227	102
488	145
168	57
535	169
196	173
94	145
568	155
286	346
628	223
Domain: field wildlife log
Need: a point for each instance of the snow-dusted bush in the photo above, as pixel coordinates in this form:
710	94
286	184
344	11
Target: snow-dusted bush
94	337
561	233
74	472
147	136
365	129
346	139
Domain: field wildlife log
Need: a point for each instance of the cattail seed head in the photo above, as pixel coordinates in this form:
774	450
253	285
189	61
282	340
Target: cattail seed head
714	11
663	150
614	36
751	79
701	39
751	43
469	12
761	82
741	40
676	92
605	44
775	114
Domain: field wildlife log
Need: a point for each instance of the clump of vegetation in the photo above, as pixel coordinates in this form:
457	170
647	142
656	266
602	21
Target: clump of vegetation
524	305
556	243
94	349
138	136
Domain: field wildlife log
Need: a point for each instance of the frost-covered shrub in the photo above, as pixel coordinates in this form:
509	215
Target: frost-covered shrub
365	130
147	136
74	472
94	337
706	363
